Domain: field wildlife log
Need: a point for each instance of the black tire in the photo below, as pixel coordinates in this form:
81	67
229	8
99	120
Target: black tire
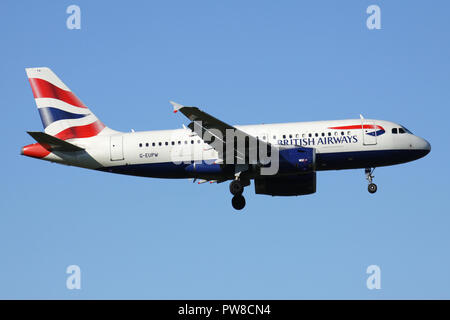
372	188
236	187
238	202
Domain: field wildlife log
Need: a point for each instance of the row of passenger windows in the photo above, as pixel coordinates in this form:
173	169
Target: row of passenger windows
166	143
284	136
310	135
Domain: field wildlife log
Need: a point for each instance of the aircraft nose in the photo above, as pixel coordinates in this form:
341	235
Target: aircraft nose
423	146
427	145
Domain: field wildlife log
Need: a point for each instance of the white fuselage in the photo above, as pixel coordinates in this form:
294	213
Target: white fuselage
351	147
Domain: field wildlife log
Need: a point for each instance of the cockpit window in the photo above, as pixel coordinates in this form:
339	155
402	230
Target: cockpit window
394	130
401	130
406	130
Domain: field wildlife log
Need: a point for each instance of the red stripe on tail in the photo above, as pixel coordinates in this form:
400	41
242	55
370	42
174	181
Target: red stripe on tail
86	131
44	89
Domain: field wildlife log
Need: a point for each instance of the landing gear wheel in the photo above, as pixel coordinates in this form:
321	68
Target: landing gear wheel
369	176
236	187
238	202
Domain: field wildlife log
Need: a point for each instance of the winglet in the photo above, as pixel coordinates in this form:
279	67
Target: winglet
176	106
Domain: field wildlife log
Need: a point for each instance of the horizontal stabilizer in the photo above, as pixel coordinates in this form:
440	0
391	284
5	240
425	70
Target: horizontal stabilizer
54	143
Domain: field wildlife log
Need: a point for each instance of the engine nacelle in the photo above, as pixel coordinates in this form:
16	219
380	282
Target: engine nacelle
287	186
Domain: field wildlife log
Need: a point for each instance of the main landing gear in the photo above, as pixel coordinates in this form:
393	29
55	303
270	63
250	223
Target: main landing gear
236	189
372	187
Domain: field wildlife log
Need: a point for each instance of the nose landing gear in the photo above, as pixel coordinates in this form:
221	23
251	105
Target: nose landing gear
236	189
372	187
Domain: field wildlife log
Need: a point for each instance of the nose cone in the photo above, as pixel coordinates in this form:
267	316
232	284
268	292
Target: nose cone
423	147
427	145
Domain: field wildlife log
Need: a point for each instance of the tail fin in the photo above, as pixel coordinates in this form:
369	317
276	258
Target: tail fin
63	115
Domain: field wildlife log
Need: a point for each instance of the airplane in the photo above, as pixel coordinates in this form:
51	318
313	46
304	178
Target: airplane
282	158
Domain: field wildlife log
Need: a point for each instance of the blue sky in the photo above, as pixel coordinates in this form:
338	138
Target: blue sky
244	62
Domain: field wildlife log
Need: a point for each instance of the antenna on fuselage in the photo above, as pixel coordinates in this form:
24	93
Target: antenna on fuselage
361	116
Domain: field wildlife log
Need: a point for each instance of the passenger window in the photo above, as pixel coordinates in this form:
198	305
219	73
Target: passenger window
160	144
179	142
153	144
173	143
342	133
310	135
192	141
394	130
401	130
297	135
166	143
323	134
274	137
146	144
284	136
349	132
290	136
140	145
329	134
198	141
185	142
316	134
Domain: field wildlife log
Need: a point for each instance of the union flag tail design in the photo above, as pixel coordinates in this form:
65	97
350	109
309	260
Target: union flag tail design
63	115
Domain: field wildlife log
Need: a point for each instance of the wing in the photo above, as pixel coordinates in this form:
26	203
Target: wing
223	137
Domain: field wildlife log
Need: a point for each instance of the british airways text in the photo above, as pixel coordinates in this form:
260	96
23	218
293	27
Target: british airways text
317	141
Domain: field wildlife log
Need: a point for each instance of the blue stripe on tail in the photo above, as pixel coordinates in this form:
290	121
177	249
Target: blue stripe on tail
50	115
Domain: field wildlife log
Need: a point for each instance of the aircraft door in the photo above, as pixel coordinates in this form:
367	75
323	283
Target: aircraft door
369	132
116	147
